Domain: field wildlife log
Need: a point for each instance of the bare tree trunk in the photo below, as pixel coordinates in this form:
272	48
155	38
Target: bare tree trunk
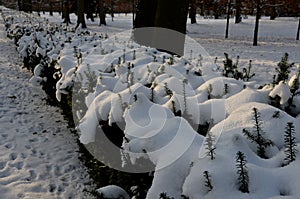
145	13
238	17
133	13
192	11
168	14
66	13
273	13
27	6
102	13
38	8
51	8
19	5
298	31
112	11
90	10
80	14
258	14
228	17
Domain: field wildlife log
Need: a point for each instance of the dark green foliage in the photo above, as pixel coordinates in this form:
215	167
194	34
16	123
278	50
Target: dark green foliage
295	86
290	143
134	55
243	178
283	69
165	196
246	76
257	135
231	69
210	146
103	176
274	81
226	88
184	197
208	183
294	91
49	72
100	196
168	90
171	60
209	91
91	79
124	56
276	114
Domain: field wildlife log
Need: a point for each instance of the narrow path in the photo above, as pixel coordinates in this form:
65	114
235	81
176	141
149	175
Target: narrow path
38	154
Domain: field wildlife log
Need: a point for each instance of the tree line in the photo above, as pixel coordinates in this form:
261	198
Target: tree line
173	14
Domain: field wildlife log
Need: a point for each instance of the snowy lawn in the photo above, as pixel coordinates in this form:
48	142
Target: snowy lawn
38	153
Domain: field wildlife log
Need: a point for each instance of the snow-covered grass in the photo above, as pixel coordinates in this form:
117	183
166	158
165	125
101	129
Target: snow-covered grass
164	103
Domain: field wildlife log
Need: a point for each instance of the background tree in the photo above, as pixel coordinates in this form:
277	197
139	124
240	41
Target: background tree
19	5
257	17
227	18
169	14
51	8
102	12
219	7
27	6
90	9
80	14
66	12
238	11
272	9
193	11
112	9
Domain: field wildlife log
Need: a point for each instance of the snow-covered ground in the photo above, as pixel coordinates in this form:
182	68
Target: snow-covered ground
142	90
275	38
38	153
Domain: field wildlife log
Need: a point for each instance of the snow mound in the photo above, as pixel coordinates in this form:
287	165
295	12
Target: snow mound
113	192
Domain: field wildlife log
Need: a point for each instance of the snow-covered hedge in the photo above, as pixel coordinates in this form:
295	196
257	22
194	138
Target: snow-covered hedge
161	103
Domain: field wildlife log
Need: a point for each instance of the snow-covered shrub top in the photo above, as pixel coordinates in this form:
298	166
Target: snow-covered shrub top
160	101
144	92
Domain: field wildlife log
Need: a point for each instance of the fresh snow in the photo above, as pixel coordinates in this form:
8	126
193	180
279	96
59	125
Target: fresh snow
141	90
38	153
113	192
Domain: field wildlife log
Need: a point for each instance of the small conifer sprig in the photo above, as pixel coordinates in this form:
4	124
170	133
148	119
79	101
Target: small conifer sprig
242	171
210	146
208	183
164	196
257	135
290	143
283	69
